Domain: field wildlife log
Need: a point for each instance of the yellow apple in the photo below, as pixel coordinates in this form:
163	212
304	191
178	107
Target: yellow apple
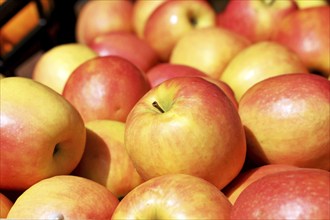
105	159
41	133
208	49
56	65
64	197
257	62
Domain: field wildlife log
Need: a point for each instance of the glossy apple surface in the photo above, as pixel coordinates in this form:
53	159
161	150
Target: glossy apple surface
174	196
287	120
65	197
306	32
126	45
208	50
255	20
294	194
235	187
105	88
42	134
186	125
105	159
98	17
172	19
257	62
56	65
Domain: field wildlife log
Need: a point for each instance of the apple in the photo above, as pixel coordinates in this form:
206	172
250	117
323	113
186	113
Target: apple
287	120
142	9
306	32
98	17
235	187
42	134
5	205
257	62
256	20
105	159
64	197
164	71
174	196
208	49
308	4
172	19
294	194
186	125
105	88
55	66
126	45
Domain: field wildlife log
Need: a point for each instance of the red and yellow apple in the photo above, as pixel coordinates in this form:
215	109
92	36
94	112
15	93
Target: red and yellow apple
294	194
126	45
287	120
257	62
105	88
99	17
186	125
306	32
255	20
208	49
42	134
174	196
55	66
64	197
105	159
172	19
5	205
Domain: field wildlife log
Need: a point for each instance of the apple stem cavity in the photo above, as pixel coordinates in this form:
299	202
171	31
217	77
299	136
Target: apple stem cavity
193	21
156	105
269	2
56	149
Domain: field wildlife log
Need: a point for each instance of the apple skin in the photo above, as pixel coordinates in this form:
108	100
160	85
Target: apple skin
257	62
65	197
98	17
99	88
174	196
255	20
199	125
42	134
56	65
172	19
294	194
308	4
142	9
235	187
306	32
105	159
278	117
208	50
126	45
5	205
164	71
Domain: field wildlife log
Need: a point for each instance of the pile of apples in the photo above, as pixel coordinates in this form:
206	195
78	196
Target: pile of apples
170	109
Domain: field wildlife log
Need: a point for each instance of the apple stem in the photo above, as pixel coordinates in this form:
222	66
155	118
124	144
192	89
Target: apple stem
156	105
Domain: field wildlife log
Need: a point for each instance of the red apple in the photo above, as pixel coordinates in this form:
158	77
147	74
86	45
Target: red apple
98	17
64	197
186	125
307	32
287	120
294	194
257	62
142	9
105	159
172	19
235	187
41	133
174	196
126	45
5	205
256	20
105	88
208	49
